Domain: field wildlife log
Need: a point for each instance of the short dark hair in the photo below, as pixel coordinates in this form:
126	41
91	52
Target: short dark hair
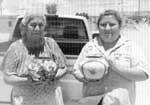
110	12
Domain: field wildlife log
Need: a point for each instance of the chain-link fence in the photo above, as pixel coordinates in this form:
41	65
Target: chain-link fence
134	11
92	7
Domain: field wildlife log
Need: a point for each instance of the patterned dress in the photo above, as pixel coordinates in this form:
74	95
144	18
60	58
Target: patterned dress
14	63
124	51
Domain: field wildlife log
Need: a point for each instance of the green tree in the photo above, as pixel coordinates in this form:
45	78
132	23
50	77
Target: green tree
51	8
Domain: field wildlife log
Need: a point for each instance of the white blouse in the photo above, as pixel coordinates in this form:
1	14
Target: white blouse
124	50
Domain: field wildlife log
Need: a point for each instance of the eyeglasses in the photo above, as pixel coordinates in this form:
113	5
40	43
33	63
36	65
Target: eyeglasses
34	25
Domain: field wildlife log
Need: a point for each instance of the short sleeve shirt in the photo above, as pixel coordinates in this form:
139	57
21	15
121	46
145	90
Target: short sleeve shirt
124	50
14	63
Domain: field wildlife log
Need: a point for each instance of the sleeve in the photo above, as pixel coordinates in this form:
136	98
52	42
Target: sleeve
138	59
59	56
10	62
133	57
84	52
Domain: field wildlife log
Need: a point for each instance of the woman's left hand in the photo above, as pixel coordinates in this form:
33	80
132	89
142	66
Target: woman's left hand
34	82
118	63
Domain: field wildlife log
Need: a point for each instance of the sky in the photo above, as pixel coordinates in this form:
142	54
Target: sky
92	7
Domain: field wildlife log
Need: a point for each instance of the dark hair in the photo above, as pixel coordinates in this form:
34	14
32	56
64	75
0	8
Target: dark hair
110	12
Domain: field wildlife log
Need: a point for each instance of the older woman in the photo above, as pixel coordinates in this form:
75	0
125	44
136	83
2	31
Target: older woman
125	62
28	87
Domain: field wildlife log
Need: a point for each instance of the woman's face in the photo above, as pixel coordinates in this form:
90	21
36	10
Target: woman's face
109	29
35	29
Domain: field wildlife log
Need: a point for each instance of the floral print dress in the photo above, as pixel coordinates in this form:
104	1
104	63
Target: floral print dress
14	63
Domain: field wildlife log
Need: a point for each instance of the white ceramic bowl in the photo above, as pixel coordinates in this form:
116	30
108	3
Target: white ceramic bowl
94	69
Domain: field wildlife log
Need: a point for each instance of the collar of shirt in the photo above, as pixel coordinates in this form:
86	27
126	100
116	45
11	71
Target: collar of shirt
121	42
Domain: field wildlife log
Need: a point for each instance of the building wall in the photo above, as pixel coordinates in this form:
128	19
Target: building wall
6	26
7	23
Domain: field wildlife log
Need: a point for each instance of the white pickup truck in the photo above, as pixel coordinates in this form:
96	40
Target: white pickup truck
71	33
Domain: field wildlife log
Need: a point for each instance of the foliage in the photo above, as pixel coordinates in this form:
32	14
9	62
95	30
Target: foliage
51	8
83	14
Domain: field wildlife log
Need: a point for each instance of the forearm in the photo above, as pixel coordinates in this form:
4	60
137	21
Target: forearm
134	73
15	80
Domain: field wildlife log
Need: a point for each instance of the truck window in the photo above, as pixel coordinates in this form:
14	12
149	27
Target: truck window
70	34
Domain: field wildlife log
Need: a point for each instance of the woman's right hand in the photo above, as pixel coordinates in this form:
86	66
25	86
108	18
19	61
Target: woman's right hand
79	76
34	82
